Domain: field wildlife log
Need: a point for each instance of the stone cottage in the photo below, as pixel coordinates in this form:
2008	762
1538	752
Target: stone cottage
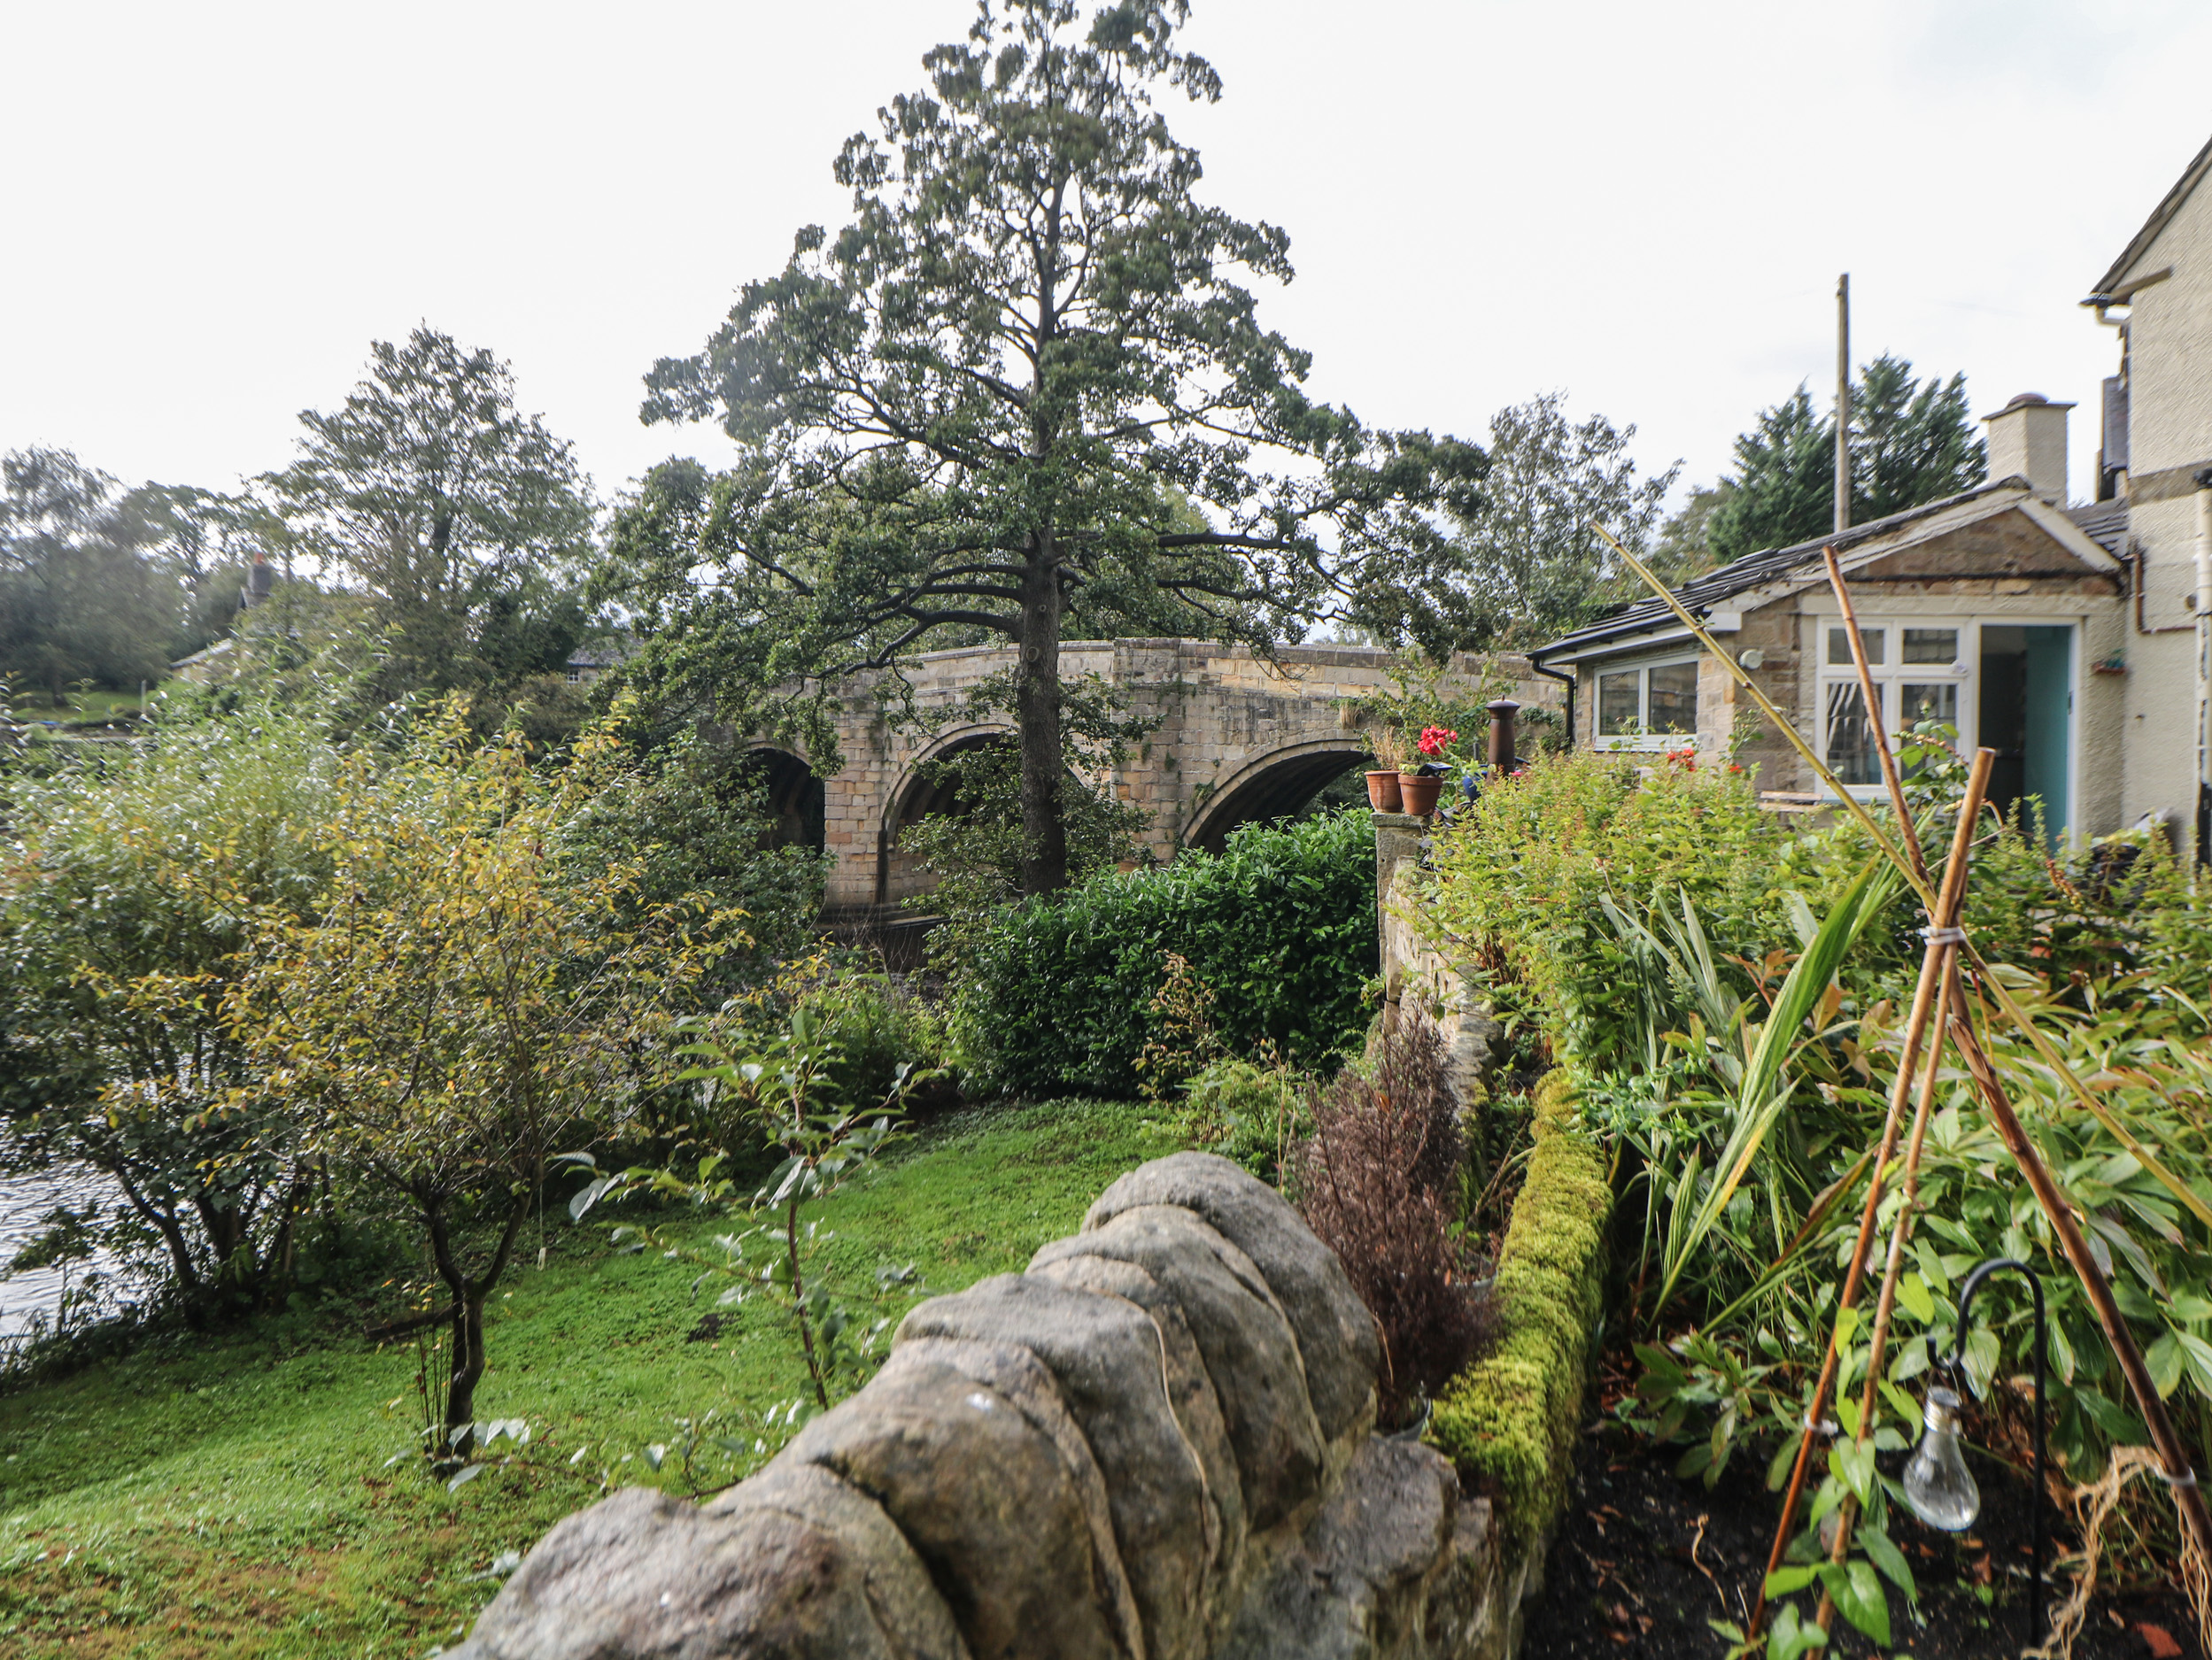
2067	638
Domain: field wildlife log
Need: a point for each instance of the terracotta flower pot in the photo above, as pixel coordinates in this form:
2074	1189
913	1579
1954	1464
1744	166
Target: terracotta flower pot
1419	793
1382	792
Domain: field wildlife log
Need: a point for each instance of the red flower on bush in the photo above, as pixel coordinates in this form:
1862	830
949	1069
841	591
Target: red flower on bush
1685	758
1435	738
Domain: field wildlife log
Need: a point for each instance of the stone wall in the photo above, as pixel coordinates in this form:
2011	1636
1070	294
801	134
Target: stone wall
1511	1421
1154	1444
1419	977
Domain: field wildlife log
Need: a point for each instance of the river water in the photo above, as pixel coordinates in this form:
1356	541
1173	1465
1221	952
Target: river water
24	1201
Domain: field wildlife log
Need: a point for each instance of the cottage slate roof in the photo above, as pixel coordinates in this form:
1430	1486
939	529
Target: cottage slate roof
2191	176
2103	522
1754	570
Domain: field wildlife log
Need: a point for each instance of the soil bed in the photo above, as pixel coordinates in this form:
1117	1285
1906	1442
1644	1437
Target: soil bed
1644	1560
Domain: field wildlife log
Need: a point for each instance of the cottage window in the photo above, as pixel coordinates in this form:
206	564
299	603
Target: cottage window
1653	706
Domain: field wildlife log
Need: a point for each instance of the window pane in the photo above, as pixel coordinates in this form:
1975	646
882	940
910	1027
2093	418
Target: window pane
1851	752
1617	712
1839	645
1673	699
1928	703
1931	645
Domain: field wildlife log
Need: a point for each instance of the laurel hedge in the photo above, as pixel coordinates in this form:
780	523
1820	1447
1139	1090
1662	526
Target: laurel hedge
1279	928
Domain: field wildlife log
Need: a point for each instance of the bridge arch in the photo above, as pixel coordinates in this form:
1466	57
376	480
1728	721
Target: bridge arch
916	796
1277	784
795	796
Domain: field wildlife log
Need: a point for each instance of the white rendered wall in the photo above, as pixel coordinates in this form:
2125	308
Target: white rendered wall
2169	426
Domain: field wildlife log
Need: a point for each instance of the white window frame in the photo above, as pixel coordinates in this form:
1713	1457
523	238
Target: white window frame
1644	743
1965	671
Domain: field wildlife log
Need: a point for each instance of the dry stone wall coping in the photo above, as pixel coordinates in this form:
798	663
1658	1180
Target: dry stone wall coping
1155	1444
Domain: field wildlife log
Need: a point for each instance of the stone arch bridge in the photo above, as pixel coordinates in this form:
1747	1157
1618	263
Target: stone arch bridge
1235	738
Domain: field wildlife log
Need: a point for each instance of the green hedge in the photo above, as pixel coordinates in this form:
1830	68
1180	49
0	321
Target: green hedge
1510	1419
1280	927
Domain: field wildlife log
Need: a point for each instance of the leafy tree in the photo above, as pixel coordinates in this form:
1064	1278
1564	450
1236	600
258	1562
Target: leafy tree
1685	542
138	880
1534	566
695	819
480	1000
207	542
468	521
1911	442
1003	390
76	602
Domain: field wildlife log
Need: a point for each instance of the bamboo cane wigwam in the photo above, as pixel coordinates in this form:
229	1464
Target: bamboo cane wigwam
2181	1479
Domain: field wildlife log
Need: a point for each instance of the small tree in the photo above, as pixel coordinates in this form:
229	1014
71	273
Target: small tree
781	1091
139	877
475	1000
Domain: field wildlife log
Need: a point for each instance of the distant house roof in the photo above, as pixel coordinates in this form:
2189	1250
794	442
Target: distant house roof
604	653
2109	285
205	654
1861	544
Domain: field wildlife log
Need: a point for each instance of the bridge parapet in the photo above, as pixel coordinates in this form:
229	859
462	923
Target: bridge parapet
1236	737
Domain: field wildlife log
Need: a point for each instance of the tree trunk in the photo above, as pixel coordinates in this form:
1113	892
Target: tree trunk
468	1299
467	1371
187	1278
1037	717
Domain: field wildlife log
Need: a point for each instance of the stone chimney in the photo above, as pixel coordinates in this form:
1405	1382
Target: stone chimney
2028	438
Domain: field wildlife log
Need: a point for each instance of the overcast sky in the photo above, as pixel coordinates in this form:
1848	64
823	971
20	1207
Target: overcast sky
214	208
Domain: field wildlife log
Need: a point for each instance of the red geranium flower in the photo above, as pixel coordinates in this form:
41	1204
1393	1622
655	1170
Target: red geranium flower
1435	738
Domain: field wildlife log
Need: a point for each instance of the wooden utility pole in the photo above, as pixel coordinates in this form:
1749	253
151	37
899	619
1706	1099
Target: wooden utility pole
1843	403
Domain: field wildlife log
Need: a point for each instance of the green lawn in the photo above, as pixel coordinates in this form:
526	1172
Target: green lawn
83	706
234	1500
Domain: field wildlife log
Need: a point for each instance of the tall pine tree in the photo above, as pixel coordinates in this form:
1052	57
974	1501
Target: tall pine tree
1027	377
1911	442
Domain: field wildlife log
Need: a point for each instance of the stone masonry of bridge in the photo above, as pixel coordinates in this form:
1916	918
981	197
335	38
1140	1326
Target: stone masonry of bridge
1235	739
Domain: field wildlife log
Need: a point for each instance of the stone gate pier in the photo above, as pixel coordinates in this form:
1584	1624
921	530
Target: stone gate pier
1236	737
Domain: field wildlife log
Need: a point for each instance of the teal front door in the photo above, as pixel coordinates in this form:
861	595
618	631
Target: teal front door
2047	754
2027	716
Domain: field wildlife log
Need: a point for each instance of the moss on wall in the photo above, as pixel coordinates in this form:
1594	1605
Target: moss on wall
1508	1421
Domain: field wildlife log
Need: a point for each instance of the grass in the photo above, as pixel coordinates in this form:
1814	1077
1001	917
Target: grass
233	1499
91	706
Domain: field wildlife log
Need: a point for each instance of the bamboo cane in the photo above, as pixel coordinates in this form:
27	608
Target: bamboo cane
2184	1195
1936	962
2172	1453
1900	1229
1872	702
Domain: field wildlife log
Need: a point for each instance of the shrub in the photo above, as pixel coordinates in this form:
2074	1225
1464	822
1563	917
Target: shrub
137	870
876	1026
1252	1114
1280	929
1376	1183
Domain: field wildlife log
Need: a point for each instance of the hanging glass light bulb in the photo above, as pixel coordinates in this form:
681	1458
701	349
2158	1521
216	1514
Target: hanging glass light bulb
1937	1485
